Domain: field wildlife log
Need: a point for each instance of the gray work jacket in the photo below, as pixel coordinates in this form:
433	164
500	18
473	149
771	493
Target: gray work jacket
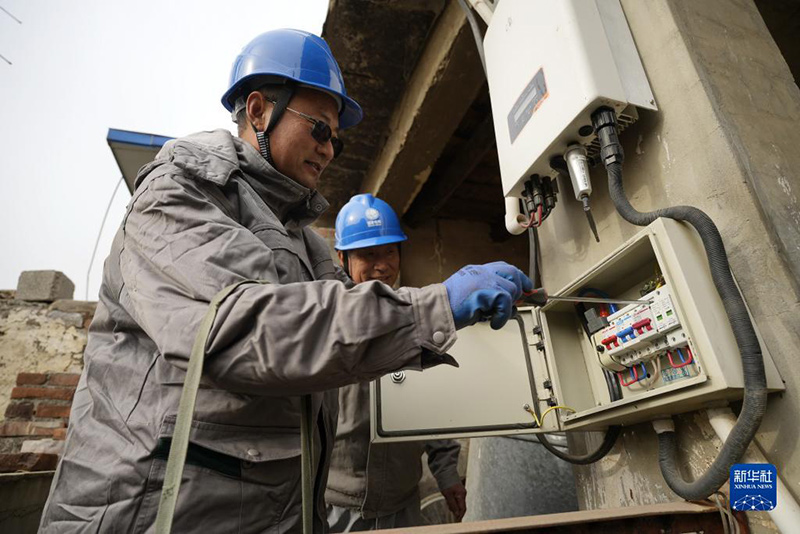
379	479
209	212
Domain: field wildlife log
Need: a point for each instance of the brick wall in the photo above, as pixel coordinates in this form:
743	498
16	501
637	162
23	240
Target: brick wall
35	426
41	357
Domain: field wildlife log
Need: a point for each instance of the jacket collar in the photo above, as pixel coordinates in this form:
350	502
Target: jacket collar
217	155
293	203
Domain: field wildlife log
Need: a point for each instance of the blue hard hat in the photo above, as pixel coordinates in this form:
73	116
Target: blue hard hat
294	55
367	221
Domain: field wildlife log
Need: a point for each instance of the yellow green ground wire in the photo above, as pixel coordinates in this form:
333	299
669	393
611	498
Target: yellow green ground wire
547	411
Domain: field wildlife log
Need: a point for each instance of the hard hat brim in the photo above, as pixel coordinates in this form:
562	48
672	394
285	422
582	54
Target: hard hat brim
372	242
350	114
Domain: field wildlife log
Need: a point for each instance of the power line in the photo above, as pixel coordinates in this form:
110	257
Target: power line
18	21
99	233
10	15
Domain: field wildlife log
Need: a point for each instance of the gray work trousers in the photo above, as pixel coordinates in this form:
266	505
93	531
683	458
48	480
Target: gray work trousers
347	520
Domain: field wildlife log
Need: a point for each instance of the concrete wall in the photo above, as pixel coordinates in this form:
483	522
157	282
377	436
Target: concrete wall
726	140
440	247
22	499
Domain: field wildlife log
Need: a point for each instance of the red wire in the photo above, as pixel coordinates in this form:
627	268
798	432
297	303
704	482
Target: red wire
527	224
635	378
683	364
531	222
536	219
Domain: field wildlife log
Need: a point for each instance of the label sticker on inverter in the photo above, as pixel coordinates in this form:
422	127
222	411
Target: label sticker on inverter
526	105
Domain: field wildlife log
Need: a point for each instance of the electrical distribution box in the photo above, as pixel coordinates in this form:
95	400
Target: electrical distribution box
550	65
672	354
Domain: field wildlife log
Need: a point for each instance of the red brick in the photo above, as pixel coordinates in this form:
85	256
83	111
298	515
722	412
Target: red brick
16	428
42	393
19	410
30	428
27	461
59	433
44	431
64	379
31	379
52	410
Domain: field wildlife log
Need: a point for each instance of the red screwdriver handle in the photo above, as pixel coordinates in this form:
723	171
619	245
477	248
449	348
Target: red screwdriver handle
534	297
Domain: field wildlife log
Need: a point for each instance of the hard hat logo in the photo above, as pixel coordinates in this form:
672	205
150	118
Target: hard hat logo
373	217
367	221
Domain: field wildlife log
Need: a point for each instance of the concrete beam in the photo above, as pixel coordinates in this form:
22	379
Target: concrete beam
445	82
442	187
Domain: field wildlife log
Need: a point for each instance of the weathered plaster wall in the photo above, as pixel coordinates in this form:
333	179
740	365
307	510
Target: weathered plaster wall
40	338
725	140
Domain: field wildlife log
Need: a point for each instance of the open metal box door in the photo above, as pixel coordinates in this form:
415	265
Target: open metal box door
549	358
501	373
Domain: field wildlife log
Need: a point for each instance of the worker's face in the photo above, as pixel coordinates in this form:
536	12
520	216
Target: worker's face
296	154
374	263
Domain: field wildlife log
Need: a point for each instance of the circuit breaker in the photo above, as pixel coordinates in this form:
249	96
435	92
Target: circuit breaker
638	333
586	367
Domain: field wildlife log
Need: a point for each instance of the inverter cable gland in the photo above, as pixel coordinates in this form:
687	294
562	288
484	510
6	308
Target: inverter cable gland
578	167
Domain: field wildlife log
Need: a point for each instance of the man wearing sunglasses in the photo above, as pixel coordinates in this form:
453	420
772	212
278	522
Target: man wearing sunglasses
216	211
304	141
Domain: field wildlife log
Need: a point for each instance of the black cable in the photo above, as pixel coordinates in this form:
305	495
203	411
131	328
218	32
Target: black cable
476	33
613	432
533	248
609	440
755	382
614	389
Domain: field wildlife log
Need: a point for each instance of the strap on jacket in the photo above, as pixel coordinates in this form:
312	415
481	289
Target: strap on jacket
307	466
183	425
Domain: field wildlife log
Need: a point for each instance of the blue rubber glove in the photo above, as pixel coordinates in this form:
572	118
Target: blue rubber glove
478	292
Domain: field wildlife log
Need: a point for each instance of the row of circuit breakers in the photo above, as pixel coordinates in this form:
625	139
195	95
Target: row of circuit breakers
639	336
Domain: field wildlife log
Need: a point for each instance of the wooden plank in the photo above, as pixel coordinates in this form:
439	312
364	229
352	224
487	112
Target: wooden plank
586	518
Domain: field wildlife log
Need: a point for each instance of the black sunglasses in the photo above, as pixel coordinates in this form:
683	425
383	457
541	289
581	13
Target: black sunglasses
321	132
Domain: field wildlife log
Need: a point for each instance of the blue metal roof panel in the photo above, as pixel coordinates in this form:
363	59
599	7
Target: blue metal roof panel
136	138
132	150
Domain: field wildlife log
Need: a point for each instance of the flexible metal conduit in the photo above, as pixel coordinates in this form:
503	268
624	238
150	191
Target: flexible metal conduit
755	391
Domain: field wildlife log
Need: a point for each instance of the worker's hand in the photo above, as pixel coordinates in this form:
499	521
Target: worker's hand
487	291
456	497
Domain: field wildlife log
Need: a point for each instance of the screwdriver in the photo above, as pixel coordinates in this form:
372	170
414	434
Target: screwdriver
588	211
539	297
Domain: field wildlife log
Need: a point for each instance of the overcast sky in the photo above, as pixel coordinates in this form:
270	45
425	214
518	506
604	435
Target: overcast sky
81	67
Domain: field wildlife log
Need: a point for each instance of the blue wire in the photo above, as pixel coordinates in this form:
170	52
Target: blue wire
612	308
683	360
644	372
